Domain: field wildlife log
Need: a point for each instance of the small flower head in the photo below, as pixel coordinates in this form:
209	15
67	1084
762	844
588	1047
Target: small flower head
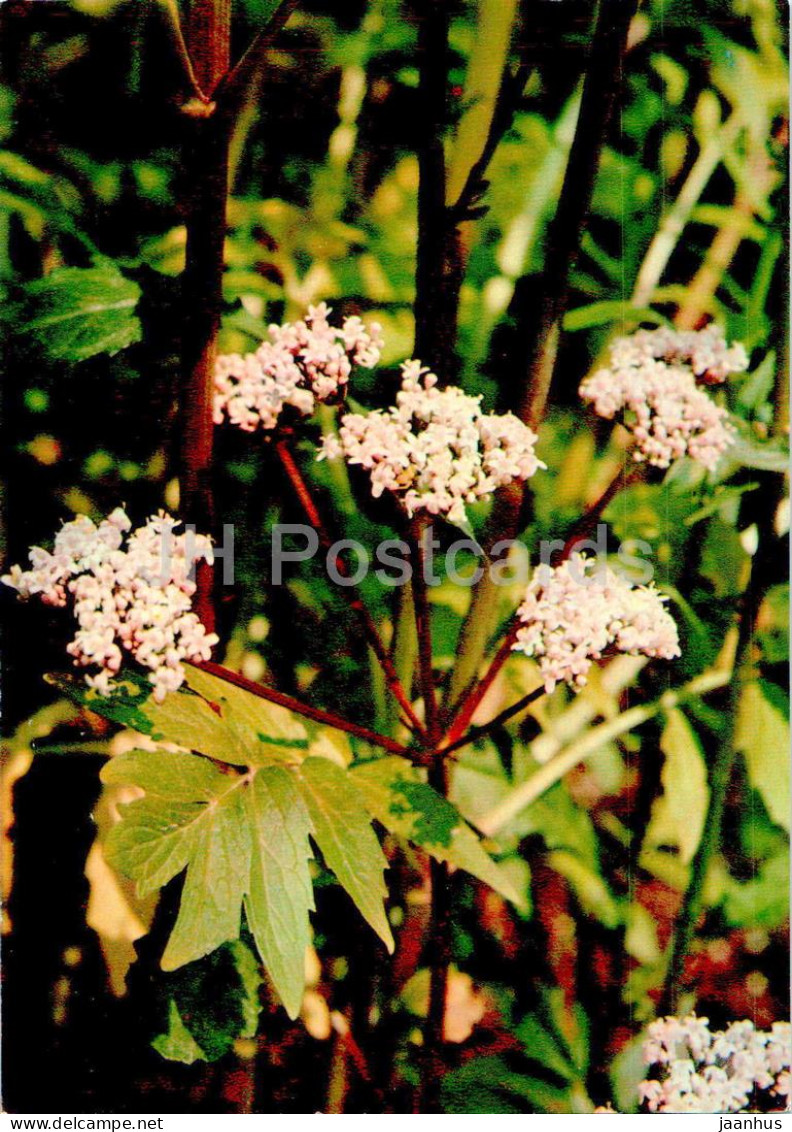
703	1070
435	450
303	363
131	593
653	386
573	612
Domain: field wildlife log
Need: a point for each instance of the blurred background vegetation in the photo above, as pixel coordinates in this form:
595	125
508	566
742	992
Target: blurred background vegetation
687	222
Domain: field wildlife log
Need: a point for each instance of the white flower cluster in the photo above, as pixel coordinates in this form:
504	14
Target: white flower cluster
701	1070
573	612
652	384
436	450
304	362
131	592
705	351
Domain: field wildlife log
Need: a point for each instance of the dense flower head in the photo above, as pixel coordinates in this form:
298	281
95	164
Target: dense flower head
435	449
131	592
706	351
303	363
572	613
653	385
697	1069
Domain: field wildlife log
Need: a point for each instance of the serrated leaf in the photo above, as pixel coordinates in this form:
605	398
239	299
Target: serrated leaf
211	716
160	833
167	775
183	718
280	893
214	888
342	830
762	734
76	312
209	1004
679	813
399	799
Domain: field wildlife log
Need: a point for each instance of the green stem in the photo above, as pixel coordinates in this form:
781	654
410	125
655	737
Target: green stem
593	740
720	772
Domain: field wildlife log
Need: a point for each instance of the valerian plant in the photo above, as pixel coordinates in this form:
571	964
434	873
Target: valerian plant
247	796
239	784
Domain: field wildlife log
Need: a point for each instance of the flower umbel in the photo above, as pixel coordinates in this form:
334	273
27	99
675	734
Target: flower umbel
303	363
131	592
573	612
652	385
703	1070
436	450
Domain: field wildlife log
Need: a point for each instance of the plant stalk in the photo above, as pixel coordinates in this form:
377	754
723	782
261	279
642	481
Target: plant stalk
206	176
318	715
352	593
602	81
761	577
435	276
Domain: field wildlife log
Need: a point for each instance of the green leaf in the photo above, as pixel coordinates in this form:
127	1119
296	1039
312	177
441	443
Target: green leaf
265	731
76	312
176	1043
679	813
214	888
762	734
214	718
165	774
399	799
209	1004
342	830
280	894
607	311
161	833
590	888
542	1046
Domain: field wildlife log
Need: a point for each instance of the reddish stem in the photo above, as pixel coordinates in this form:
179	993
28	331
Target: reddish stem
470	702
502	717
318	715
423	628
206	175
351	593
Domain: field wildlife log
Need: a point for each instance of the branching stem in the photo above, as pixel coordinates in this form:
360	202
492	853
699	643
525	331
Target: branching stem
351	592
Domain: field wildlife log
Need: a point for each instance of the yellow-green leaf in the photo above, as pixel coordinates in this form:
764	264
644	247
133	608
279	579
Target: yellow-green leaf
763	737
342	830
679	813
398	797
280	893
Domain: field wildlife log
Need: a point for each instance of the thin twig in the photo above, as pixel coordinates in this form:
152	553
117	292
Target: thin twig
439	881
593	740
675	220
318	715
604	75
351	592
169	11
512	86
497	721
423	629
583	527
470	701
229	93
